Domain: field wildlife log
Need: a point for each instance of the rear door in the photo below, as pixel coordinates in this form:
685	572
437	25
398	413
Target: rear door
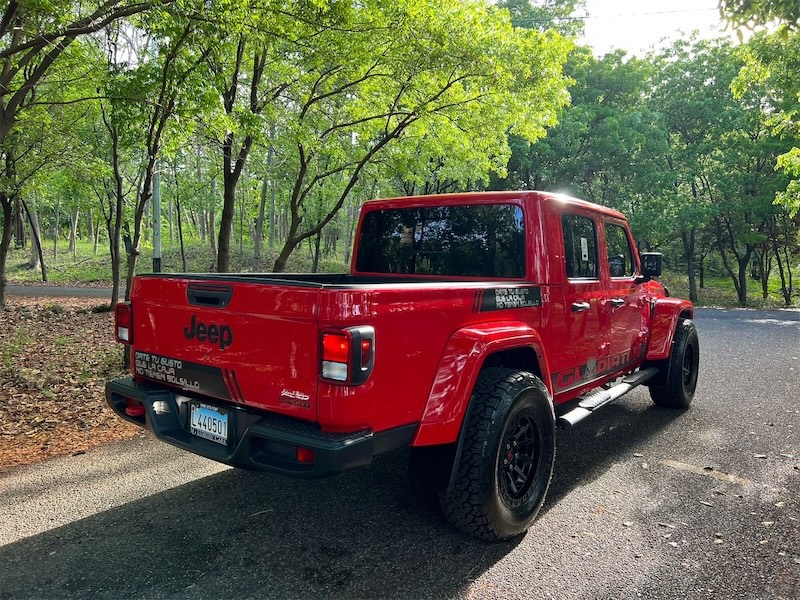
247	342
584	295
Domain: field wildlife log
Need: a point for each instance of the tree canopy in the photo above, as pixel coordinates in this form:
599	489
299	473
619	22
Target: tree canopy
243	123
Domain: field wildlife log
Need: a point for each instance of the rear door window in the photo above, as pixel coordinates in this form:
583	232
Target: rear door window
454	241
580	246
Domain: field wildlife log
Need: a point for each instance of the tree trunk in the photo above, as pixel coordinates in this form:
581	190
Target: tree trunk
742	290
177	216
226	225
96	237
55	230
147	225
37	256
688	239
180	231
5	243
315	263
739	277
143	201
212	232
766	270
242	200
351	228
258	237
35	260
90	227
786	290
169	217
292	240
272	216
73	234
117	203
232	168
19	224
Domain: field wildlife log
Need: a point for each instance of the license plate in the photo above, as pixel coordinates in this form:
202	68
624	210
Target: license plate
209	422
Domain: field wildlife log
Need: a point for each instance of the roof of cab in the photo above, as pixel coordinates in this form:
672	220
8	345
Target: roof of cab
488	198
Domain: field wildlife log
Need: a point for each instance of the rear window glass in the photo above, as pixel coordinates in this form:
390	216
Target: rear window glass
455	241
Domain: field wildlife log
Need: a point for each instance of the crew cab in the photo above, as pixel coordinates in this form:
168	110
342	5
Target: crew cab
469	327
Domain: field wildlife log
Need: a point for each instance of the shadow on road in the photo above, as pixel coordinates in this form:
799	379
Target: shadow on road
586	451
244	534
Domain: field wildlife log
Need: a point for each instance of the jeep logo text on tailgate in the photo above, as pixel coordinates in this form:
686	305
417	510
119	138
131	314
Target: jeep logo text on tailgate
214	334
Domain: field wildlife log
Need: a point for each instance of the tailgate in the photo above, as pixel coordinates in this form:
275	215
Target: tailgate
248	342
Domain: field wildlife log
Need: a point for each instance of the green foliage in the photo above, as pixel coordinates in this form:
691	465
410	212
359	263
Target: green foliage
790	197
769	75
606	145
318	105
546	14
753	13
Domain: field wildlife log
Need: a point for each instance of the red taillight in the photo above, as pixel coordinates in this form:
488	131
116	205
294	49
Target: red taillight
348	355
123	323
335	347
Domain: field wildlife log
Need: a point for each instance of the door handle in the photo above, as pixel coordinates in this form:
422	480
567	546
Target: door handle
617	302
580	307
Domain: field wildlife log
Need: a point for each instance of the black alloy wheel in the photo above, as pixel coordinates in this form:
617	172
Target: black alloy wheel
517	464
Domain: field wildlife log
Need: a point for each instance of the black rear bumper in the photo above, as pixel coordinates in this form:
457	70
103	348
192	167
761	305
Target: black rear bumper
256	439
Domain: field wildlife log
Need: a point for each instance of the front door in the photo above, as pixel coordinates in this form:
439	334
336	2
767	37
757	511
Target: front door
625	303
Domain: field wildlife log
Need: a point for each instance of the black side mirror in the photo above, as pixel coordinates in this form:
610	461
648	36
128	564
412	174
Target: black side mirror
651	266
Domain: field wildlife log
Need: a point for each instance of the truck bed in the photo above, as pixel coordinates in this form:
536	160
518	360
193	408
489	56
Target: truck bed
254	339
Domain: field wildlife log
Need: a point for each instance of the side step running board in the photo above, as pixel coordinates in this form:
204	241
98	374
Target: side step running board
599	398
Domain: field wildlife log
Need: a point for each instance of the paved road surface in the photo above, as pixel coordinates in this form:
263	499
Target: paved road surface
645	503
61	291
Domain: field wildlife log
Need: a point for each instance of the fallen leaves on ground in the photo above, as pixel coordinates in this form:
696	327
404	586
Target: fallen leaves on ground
55	356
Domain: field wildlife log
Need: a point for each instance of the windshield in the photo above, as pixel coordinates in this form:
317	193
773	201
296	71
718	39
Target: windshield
456	241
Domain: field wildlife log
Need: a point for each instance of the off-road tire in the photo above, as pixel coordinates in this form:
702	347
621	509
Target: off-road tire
683	364
506	460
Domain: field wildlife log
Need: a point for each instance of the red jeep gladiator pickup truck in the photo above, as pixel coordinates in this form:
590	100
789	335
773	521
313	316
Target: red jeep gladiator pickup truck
469	326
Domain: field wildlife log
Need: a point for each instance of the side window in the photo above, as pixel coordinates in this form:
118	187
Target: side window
620	256
580	246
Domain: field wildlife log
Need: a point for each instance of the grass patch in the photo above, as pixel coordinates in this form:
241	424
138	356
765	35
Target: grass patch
89	268
15	347
719	291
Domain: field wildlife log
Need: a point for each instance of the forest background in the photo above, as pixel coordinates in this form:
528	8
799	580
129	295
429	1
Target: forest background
257	128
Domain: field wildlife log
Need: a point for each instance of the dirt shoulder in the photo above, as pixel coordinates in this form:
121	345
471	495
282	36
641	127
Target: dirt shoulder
55	356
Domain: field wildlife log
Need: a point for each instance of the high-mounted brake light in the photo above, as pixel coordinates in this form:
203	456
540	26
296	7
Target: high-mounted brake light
123	323
348	355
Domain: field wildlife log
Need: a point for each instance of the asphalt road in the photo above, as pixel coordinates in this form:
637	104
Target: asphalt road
56	291
645	503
